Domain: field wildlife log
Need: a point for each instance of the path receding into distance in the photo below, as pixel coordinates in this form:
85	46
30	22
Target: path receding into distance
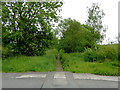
58	65
58	79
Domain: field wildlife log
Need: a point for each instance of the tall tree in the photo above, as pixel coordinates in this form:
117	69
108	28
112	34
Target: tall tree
94	20
26	26
62	27
75	37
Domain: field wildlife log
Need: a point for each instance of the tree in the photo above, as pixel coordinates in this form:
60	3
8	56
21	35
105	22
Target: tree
54	42
62	27
94	20
26	26
75	36
71	37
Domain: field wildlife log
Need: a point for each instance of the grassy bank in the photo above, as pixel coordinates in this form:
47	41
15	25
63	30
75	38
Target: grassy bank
31	63
75	62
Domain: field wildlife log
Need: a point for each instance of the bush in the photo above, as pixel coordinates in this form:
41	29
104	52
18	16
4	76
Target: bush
5	53
64	58
119	52
90	55
107	52
61	52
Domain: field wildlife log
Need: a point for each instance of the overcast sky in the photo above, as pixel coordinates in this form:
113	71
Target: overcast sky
77	9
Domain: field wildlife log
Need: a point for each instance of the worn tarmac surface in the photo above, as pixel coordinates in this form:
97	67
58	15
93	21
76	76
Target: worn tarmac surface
57	80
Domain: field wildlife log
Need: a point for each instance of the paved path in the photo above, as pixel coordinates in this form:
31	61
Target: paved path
58	65
57	80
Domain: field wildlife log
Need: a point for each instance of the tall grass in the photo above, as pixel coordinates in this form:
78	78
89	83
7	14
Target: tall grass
104	52
31	63
76	63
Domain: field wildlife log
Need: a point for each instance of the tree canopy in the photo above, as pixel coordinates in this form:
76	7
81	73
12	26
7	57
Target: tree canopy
26	26
95	15
75	36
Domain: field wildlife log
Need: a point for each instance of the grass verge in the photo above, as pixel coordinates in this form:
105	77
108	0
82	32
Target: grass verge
31	63
75	63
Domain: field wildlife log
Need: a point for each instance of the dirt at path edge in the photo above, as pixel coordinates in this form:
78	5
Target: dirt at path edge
58	65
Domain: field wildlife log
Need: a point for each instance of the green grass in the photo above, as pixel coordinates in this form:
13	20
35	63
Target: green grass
75	63
31	63
0	59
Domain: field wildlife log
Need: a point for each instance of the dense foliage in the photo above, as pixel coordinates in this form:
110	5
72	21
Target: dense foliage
26	26
104	61
23	63
104	52
75	36
27	31
95	15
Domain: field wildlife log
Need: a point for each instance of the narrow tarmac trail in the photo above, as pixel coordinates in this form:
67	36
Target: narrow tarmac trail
58	65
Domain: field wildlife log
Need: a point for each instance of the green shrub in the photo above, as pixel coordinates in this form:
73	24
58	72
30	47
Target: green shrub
5	53
107	52
65	61
61	52
104	52
115	63
119	52
89	55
